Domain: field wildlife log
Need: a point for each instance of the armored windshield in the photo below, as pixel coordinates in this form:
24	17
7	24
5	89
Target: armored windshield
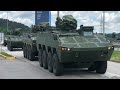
88	33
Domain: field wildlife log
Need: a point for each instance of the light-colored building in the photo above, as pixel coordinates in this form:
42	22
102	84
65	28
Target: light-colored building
1	38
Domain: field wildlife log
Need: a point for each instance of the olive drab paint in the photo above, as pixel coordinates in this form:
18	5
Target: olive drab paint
63	46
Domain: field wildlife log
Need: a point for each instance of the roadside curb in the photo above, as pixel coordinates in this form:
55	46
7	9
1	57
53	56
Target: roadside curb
118	61
7	57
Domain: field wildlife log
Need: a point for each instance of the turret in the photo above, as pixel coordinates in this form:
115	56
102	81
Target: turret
40	27
67	23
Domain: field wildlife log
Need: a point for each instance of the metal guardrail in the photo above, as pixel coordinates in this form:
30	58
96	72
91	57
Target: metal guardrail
1	41
1	37
117	49
117	46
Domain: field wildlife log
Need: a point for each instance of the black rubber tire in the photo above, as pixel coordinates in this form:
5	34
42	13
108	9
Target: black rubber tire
31	55
57	67
92	68
44	59
4	44
101	67
40	58
28	52
25	51
10	48
49	62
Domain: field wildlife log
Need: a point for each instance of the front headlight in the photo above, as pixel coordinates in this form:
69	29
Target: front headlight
112	47
65	49
68	49
109	47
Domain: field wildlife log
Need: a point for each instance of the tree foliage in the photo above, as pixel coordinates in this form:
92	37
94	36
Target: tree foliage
12	26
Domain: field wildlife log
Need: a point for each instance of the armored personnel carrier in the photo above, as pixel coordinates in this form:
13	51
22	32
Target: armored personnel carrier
63	46
29	45
14	40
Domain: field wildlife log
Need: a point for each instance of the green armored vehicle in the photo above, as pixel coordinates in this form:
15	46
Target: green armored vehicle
29	45
14	40
64	46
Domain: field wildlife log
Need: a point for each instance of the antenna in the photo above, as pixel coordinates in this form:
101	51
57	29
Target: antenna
7	21
101	23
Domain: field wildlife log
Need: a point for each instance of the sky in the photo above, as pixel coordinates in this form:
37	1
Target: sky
90	18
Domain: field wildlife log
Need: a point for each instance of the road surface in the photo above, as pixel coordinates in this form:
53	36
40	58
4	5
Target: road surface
22	68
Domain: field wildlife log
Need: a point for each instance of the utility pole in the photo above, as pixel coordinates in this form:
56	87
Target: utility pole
58	13
7	21
104	23
101	26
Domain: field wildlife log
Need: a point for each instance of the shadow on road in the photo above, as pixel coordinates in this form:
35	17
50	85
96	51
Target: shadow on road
17	49
77	71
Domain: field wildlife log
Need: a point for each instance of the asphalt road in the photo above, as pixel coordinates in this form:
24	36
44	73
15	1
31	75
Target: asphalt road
22	68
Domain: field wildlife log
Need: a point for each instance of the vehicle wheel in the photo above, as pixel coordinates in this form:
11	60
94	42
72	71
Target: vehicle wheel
49	62
10	48
44	59
101	67
40	58
57	67
31	55
28	52
91	68
4	44
25	51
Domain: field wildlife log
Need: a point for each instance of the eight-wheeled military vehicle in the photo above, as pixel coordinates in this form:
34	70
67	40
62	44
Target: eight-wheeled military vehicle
14	40
29	45
63	46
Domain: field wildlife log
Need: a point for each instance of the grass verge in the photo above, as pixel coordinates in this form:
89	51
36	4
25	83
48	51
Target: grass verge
5	54
116	55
